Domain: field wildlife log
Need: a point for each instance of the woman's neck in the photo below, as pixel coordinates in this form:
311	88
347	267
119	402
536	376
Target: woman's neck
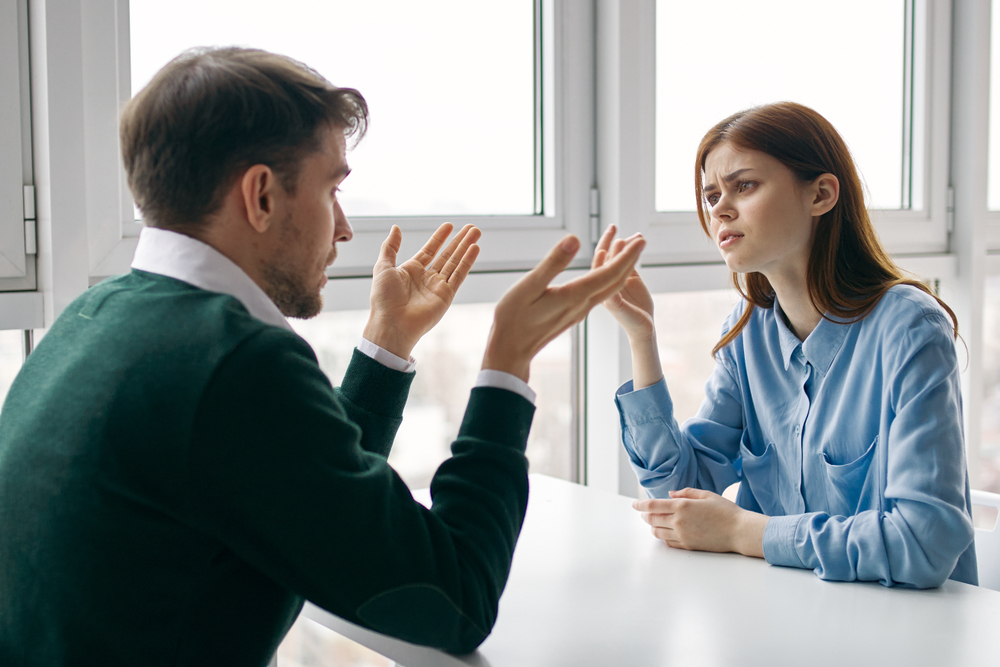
792	291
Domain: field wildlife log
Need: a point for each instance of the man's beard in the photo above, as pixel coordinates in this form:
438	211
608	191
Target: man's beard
286	287
289	294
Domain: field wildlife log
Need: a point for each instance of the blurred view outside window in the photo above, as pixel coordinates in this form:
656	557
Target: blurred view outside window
993	196
989	448
688	324
11	356
449	83
448	360
717	57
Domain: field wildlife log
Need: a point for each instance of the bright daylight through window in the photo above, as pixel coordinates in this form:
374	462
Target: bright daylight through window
708	69
448	360
450	85
11	355
993	184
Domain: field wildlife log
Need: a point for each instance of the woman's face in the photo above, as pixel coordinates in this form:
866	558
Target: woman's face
761	215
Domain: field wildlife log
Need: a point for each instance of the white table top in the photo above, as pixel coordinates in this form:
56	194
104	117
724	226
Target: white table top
591	586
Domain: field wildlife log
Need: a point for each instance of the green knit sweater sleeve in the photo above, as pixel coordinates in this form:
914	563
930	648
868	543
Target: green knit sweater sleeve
373	396
278	475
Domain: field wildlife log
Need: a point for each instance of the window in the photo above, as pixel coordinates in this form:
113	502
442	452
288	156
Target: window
688	324
682	68
717	57
989	445
450	84
448	360
11	357
993	194
17	233
494	143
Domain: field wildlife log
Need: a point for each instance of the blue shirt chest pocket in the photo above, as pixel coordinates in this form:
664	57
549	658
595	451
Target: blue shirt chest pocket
851	486
759	486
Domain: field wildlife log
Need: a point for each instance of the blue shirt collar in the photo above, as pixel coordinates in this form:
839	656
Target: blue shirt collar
820	347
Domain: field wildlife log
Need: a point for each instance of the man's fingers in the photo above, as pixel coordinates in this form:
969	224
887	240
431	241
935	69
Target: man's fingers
553	264
426	254
456	243
387	254
457	276
605	280
455	253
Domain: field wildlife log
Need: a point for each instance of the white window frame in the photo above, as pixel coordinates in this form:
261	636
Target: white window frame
627	89
992	216
603	59
98	40
17	231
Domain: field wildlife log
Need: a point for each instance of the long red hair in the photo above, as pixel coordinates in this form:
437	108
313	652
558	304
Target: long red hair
849	270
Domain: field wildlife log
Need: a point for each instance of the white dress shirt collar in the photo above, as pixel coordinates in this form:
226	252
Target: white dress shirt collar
181	257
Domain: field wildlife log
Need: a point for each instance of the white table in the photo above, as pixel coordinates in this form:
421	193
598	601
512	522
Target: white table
591	586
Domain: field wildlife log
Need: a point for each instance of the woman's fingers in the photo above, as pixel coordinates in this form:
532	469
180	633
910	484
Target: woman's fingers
604	244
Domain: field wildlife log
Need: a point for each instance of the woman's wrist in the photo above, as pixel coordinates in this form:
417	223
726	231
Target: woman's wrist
749	533
646	369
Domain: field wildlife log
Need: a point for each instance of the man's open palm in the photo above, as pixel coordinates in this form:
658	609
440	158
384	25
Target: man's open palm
408	300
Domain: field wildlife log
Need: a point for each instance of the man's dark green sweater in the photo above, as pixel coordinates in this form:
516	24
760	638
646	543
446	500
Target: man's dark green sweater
176	477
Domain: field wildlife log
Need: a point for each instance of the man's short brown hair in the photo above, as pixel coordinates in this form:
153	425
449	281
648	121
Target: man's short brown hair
209	114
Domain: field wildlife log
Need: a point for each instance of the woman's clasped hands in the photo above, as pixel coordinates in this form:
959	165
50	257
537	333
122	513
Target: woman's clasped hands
699	520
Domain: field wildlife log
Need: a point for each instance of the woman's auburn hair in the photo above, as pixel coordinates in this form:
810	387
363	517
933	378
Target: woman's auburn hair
849	271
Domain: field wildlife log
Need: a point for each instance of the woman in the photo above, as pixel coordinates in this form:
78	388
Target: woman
835	400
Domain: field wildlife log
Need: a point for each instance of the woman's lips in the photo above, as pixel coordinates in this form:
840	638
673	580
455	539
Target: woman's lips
728	239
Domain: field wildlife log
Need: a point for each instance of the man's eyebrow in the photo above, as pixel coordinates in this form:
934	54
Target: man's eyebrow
728	178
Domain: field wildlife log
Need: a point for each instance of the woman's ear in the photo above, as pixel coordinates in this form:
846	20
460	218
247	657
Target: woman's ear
259	186
826	189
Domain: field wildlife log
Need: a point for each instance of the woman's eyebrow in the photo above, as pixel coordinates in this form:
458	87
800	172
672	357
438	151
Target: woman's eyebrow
728	178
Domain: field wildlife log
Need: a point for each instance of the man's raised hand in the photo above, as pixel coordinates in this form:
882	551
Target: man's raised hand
532	312
408	300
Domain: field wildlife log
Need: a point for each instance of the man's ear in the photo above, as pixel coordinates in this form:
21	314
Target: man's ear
826	189
260	188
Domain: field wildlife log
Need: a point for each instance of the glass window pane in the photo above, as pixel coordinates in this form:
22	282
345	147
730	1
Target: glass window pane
716	57
11	356
450	85
993	188
688	325
987	468
448	360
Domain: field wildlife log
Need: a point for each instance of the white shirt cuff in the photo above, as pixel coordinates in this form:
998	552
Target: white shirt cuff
501	380
386	358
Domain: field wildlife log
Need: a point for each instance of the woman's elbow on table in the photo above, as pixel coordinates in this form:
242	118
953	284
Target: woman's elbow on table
925	554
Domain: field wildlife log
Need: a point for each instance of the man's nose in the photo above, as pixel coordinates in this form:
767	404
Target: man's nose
342	227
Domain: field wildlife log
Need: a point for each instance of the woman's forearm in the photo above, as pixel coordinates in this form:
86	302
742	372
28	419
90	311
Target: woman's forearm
646	369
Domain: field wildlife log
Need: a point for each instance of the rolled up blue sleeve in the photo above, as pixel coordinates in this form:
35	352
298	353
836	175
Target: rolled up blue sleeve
699	454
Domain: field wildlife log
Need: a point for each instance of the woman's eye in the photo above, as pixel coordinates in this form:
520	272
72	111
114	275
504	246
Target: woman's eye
712	199
744	186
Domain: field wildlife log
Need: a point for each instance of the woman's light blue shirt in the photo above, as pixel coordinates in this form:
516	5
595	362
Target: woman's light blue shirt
850	441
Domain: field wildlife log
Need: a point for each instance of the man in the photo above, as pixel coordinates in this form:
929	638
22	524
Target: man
176	473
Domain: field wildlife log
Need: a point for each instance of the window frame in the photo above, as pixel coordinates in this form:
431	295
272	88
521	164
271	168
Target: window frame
17	232
603	103
993	216
676	237
510	242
